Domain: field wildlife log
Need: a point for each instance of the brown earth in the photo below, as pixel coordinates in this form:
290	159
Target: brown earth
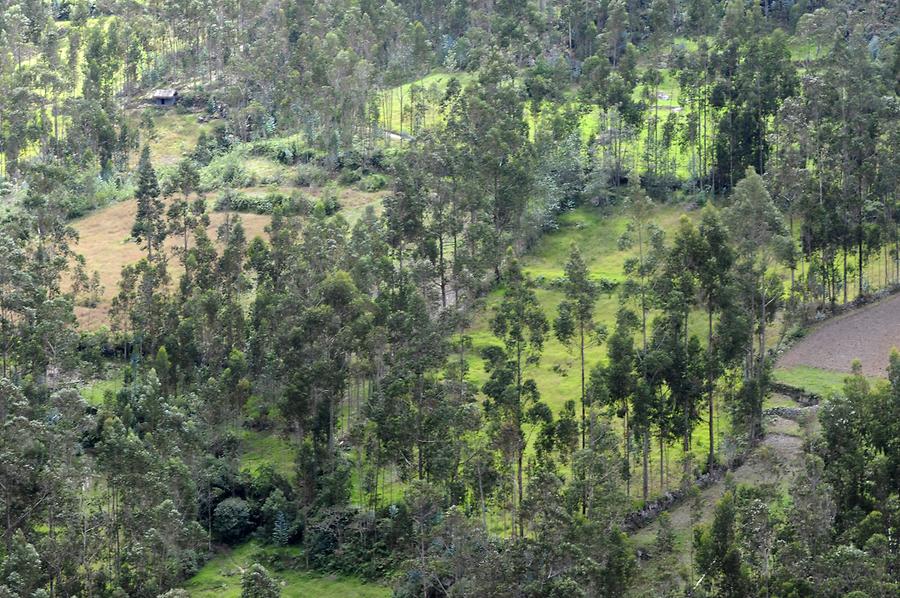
867	334
104	238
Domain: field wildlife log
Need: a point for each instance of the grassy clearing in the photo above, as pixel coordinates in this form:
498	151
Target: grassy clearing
221	577
558	375
396	105
104	238
175	136
815	380
267	448
596	234
96	392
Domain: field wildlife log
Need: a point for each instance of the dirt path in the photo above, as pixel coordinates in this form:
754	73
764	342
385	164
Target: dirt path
867	334
775	461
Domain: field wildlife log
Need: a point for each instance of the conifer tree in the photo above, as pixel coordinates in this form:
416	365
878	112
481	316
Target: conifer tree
149	227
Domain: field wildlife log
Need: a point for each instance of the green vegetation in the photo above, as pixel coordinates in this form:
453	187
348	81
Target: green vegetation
815	380
96	393
464	298
221	577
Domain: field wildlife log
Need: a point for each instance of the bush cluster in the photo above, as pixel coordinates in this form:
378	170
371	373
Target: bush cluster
238	201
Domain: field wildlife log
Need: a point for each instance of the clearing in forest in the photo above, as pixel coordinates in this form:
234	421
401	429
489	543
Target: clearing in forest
104	238
221	577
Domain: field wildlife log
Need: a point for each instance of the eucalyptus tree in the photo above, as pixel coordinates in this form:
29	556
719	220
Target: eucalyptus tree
615	384
758	233
575	320
520	324
180	216
639	288
713	265
487	125
640	233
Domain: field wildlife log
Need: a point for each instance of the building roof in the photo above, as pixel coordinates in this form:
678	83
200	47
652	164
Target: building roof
164	94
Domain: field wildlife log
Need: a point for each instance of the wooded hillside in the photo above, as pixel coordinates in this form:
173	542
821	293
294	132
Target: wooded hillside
449	298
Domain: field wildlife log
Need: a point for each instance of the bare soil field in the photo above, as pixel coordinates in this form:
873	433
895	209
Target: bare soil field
867	334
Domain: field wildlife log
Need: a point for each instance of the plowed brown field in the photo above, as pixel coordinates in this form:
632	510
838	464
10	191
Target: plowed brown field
867	334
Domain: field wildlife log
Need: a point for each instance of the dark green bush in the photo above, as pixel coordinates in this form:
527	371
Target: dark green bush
373	182
285	151
349	177
237	201
310	175
329	201
361	543
232	520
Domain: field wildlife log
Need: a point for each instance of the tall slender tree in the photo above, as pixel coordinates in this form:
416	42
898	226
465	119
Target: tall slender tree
519	322
575	320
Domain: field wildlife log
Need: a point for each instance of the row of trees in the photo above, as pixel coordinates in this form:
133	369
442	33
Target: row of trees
332	73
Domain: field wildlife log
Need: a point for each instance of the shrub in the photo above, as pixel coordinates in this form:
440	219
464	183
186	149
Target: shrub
257	583
329	201
299	205
191	99
232	520
373	182
351	159
230	199
237	201
227	170
310	175
349	177
360	543
108	192
286	151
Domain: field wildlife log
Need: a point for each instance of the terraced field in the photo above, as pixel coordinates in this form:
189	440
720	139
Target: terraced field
866	334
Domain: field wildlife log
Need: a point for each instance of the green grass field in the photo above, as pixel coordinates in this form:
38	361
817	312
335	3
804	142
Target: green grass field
596	233
395	104
95	393
558	375
815	380
221	577
267	448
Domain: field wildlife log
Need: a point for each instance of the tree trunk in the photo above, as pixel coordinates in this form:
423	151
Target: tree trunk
845	273
627	455
662	482
646	458
709	390
583	410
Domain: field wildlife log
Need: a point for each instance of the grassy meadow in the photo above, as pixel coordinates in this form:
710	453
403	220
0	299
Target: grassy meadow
558	375
221	577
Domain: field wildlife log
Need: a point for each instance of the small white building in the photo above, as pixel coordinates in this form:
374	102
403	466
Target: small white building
165	97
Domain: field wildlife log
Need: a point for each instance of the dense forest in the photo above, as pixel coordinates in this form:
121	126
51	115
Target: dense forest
447	298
